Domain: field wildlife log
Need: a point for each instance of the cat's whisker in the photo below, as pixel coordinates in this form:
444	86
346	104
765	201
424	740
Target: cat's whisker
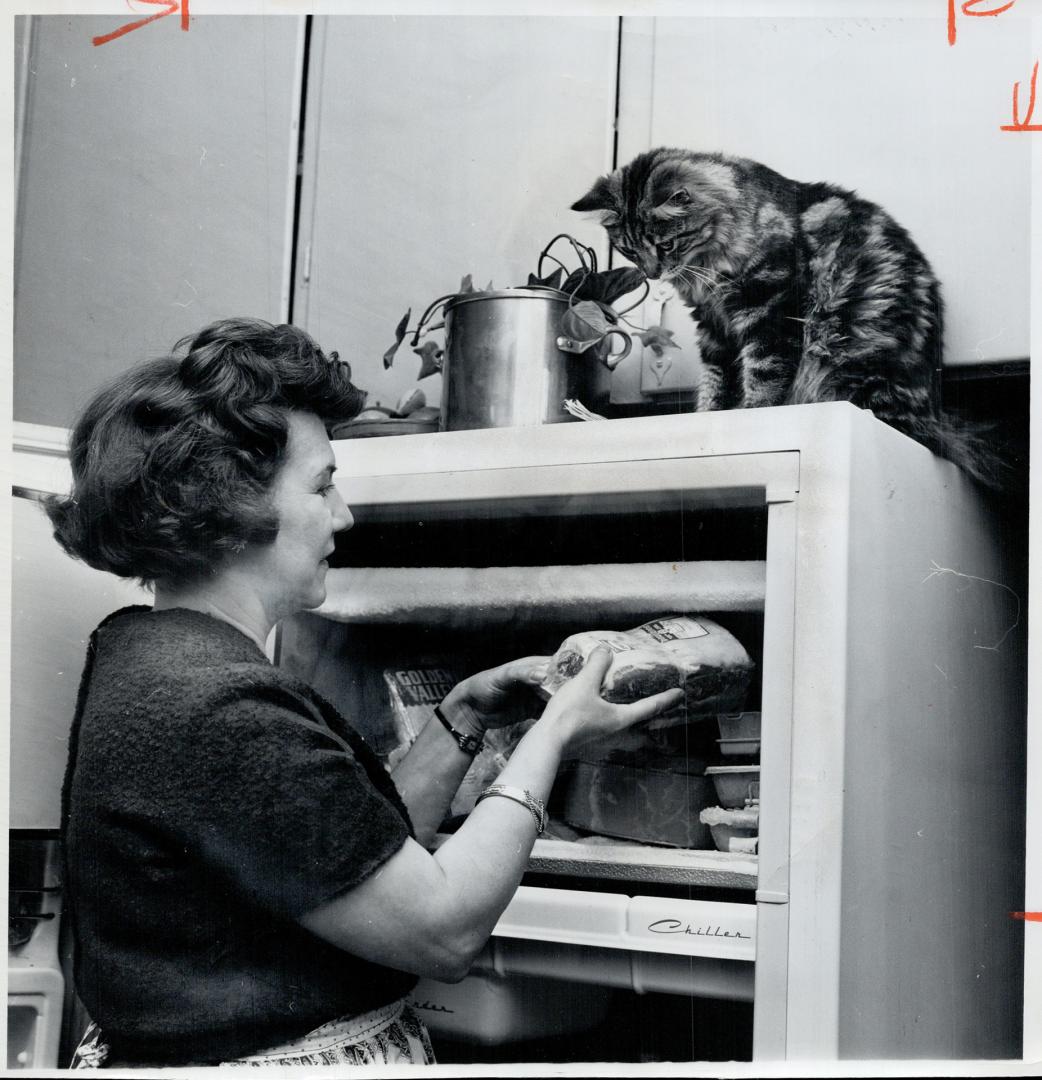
697	276
702	272
717	277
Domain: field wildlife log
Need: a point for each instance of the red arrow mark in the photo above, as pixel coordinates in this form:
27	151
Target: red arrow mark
171	7
1027	916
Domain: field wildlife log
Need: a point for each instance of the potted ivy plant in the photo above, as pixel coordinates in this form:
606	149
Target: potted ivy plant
578	338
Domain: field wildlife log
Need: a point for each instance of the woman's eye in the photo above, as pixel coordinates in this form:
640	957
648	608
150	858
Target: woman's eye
326	489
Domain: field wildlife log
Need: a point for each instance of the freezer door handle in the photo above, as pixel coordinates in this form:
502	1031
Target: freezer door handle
770	896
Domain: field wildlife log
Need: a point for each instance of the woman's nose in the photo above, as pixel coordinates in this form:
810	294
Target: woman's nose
342	517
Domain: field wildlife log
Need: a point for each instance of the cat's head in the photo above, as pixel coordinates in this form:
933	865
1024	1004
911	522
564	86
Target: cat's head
667	209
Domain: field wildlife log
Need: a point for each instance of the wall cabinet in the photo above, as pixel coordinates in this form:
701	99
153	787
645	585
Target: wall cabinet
438	147
155	193
158	173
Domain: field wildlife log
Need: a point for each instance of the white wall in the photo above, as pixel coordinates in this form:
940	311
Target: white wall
156	183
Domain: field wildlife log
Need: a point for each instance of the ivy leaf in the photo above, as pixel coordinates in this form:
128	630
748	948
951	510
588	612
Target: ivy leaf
399	334
551	281
586	321
573	281
607	285
466	285
431	356
488	287
658	339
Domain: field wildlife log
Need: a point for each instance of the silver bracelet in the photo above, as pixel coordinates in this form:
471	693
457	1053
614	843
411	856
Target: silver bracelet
519	795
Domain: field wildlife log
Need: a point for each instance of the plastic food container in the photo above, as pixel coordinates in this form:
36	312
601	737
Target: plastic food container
735	784
743	725
733	830
739	747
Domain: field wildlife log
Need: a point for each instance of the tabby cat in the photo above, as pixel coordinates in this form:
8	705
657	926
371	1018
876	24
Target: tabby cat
802	292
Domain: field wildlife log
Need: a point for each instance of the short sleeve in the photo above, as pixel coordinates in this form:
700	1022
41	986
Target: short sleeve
287	816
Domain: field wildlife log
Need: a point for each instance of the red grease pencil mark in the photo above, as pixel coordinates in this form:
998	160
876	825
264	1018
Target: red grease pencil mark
969	8
1026	124
170	5
1026	916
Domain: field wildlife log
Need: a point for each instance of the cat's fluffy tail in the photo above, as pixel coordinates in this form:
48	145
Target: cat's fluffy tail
967	444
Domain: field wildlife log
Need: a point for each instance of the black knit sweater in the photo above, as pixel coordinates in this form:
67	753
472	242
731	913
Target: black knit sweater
211	799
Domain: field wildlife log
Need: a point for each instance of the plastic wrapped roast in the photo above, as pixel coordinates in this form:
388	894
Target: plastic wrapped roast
687	651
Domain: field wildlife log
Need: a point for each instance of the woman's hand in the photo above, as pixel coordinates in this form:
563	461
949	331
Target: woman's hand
491	698
429	774
578	713
432	913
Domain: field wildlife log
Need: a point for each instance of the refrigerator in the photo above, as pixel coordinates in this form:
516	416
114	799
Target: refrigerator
869	581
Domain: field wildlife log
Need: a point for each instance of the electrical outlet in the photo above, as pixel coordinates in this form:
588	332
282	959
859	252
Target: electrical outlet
673	372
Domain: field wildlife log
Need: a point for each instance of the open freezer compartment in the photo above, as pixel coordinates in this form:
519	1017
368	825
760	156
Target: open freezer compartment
567	969
434	592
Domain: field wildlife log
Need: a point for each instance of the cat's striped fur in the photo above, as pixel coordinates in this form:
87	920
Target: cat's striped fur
802	292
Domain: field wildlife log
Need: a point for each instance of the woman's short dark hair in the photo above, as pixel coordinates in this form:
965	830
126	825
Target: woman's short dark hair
173	462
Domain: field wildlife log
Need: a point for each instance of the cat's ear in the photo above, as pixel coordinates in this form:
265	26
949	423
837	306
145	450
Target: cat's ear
599	197
675	205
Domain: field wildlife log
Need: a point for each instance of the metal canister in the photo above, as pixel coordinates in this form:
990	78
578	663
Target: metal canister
502	365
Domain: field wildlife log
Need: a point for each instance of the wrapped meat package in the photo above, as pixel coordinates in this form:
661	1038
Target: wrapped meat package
634	802
686	651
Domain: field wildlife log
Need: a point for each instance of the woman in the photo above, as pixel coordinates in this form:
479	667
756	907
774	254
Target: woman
246	883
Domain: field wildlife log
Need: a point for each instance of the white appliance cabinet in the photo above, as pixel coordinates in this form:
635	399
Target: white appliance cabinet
892	778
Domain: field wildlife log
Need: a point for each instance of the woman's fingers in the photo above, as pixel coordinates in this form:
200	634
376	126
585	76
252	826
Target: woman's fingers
596	666
527	671
653	706
530	670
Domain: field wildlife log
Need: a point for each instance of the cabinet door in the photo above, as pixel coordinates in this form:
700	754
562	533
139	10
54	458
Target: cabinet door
438	147
881	105
156	193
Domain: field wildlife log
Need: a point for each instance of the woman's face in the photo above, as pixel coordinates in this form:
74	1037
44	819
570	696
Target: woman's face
291	571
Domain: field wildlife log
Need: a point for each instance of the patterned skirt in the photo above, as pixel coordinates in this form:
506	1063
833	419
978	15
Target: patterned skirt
392	1035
